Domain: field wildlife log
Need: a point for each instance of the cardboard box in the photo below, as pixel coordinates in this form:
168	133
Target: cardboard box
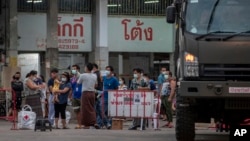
117	124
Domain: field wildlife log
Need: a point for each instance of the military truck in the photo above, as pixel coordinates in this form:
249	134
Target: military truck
212	55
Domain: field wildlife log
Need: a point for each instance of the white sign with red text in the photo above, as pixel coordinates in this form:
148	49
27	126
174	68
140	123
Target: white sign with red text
125	34
131	103
140	34
74	32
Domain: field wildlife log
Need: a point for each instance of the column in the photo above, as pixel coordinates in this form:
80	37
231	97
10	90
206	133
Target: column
172	64
151	63
52	37
100	53
9	41
12	35
120	63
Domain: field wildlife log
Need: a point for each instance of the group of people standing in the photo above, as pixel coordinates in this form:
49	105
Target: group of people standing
89	94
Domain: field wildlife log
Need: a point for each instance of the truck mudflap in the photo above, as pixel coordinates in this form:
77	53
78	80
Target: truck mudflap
214	89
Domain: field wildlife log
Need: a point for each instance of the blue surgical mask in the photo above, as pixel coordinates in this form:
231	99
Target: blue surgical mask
135	75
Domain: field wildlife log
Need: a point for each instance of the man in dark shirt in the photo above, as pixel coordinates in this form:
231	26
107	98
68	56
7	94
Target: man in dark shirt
99	79
138	83
99	88
51	114
17	87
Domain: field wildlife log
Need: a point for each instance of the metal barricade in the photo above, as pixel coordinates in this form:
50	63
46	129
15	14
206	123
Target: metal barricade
6	106
142	104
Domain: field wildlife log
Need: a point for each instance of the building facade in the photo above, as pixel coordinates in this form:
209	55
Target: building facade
138	35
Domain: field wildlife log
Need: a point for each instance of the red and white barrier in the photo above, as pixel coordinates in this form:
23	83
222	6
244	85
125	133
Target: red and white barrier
14	110
134	104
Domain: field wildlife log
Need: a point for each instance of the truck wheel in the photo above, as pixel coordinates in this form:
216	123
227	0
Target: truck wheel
185	128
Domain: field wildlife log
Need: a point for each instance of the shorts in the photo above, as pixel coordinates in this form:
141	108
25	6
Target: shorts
76	104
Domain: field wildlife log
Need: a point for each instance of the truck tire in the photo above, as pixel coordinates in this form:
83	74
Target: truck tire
185	128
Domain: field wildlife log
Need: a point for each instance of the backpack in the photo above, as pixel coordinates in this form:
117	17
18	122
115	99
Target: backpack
152	85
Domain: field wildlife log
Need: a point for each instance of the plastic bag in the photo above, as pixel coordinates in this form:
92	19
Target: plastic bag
26	118
68	117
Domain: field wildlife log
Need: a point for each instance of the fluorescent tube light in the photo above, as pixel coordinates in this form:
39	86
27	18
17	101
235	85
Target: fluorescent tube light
151	1
35	1
114	5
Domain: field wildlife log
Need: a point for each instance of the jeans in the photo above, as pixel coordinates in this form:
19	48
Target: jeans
51	114
102	113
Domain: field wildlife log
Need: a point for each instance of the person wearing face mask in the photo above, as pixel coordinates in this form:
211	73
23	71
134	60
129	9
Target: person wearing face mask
63	93
138	83
160	81
99	88
17	87
76	94
122	85
88	80
109	83
149	81
167	95
30	86
32	92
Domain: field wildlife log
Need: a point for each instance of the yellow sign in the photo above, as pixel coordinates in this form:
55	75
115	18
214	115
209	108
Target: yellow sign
13	61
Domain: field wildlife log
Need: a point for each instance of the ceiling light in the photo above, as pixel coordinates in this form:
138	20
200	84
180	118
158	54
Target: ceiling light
34	1
151	1
114	5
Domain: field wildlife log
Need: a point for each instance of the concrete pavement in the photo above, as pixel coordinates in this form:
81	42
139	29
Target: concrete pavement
165	134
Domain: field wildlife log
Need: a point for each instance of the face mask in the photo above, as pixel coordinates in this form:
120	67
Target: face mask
166	76
164	72
135	75
107	72
17	78
73	72
63	79
120	82
34	79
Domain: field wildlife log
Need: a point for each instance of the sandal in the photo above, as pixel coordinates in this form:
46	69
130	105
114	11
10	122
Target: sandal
166	125
170	126
97	126
78	127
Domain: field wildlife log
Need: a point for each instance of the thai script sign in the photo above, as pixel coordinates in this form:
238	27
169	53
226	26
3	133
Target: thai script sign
72	32
131	103
129	34
132	34
137	32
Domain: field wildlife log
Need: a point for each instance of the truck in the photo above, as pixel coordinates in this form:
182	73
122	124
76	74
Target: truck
212	59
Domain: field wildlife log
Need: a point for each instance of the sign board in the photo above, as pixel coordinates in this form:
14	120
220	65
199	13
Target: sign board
131	103
125	34
74	32
140	34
